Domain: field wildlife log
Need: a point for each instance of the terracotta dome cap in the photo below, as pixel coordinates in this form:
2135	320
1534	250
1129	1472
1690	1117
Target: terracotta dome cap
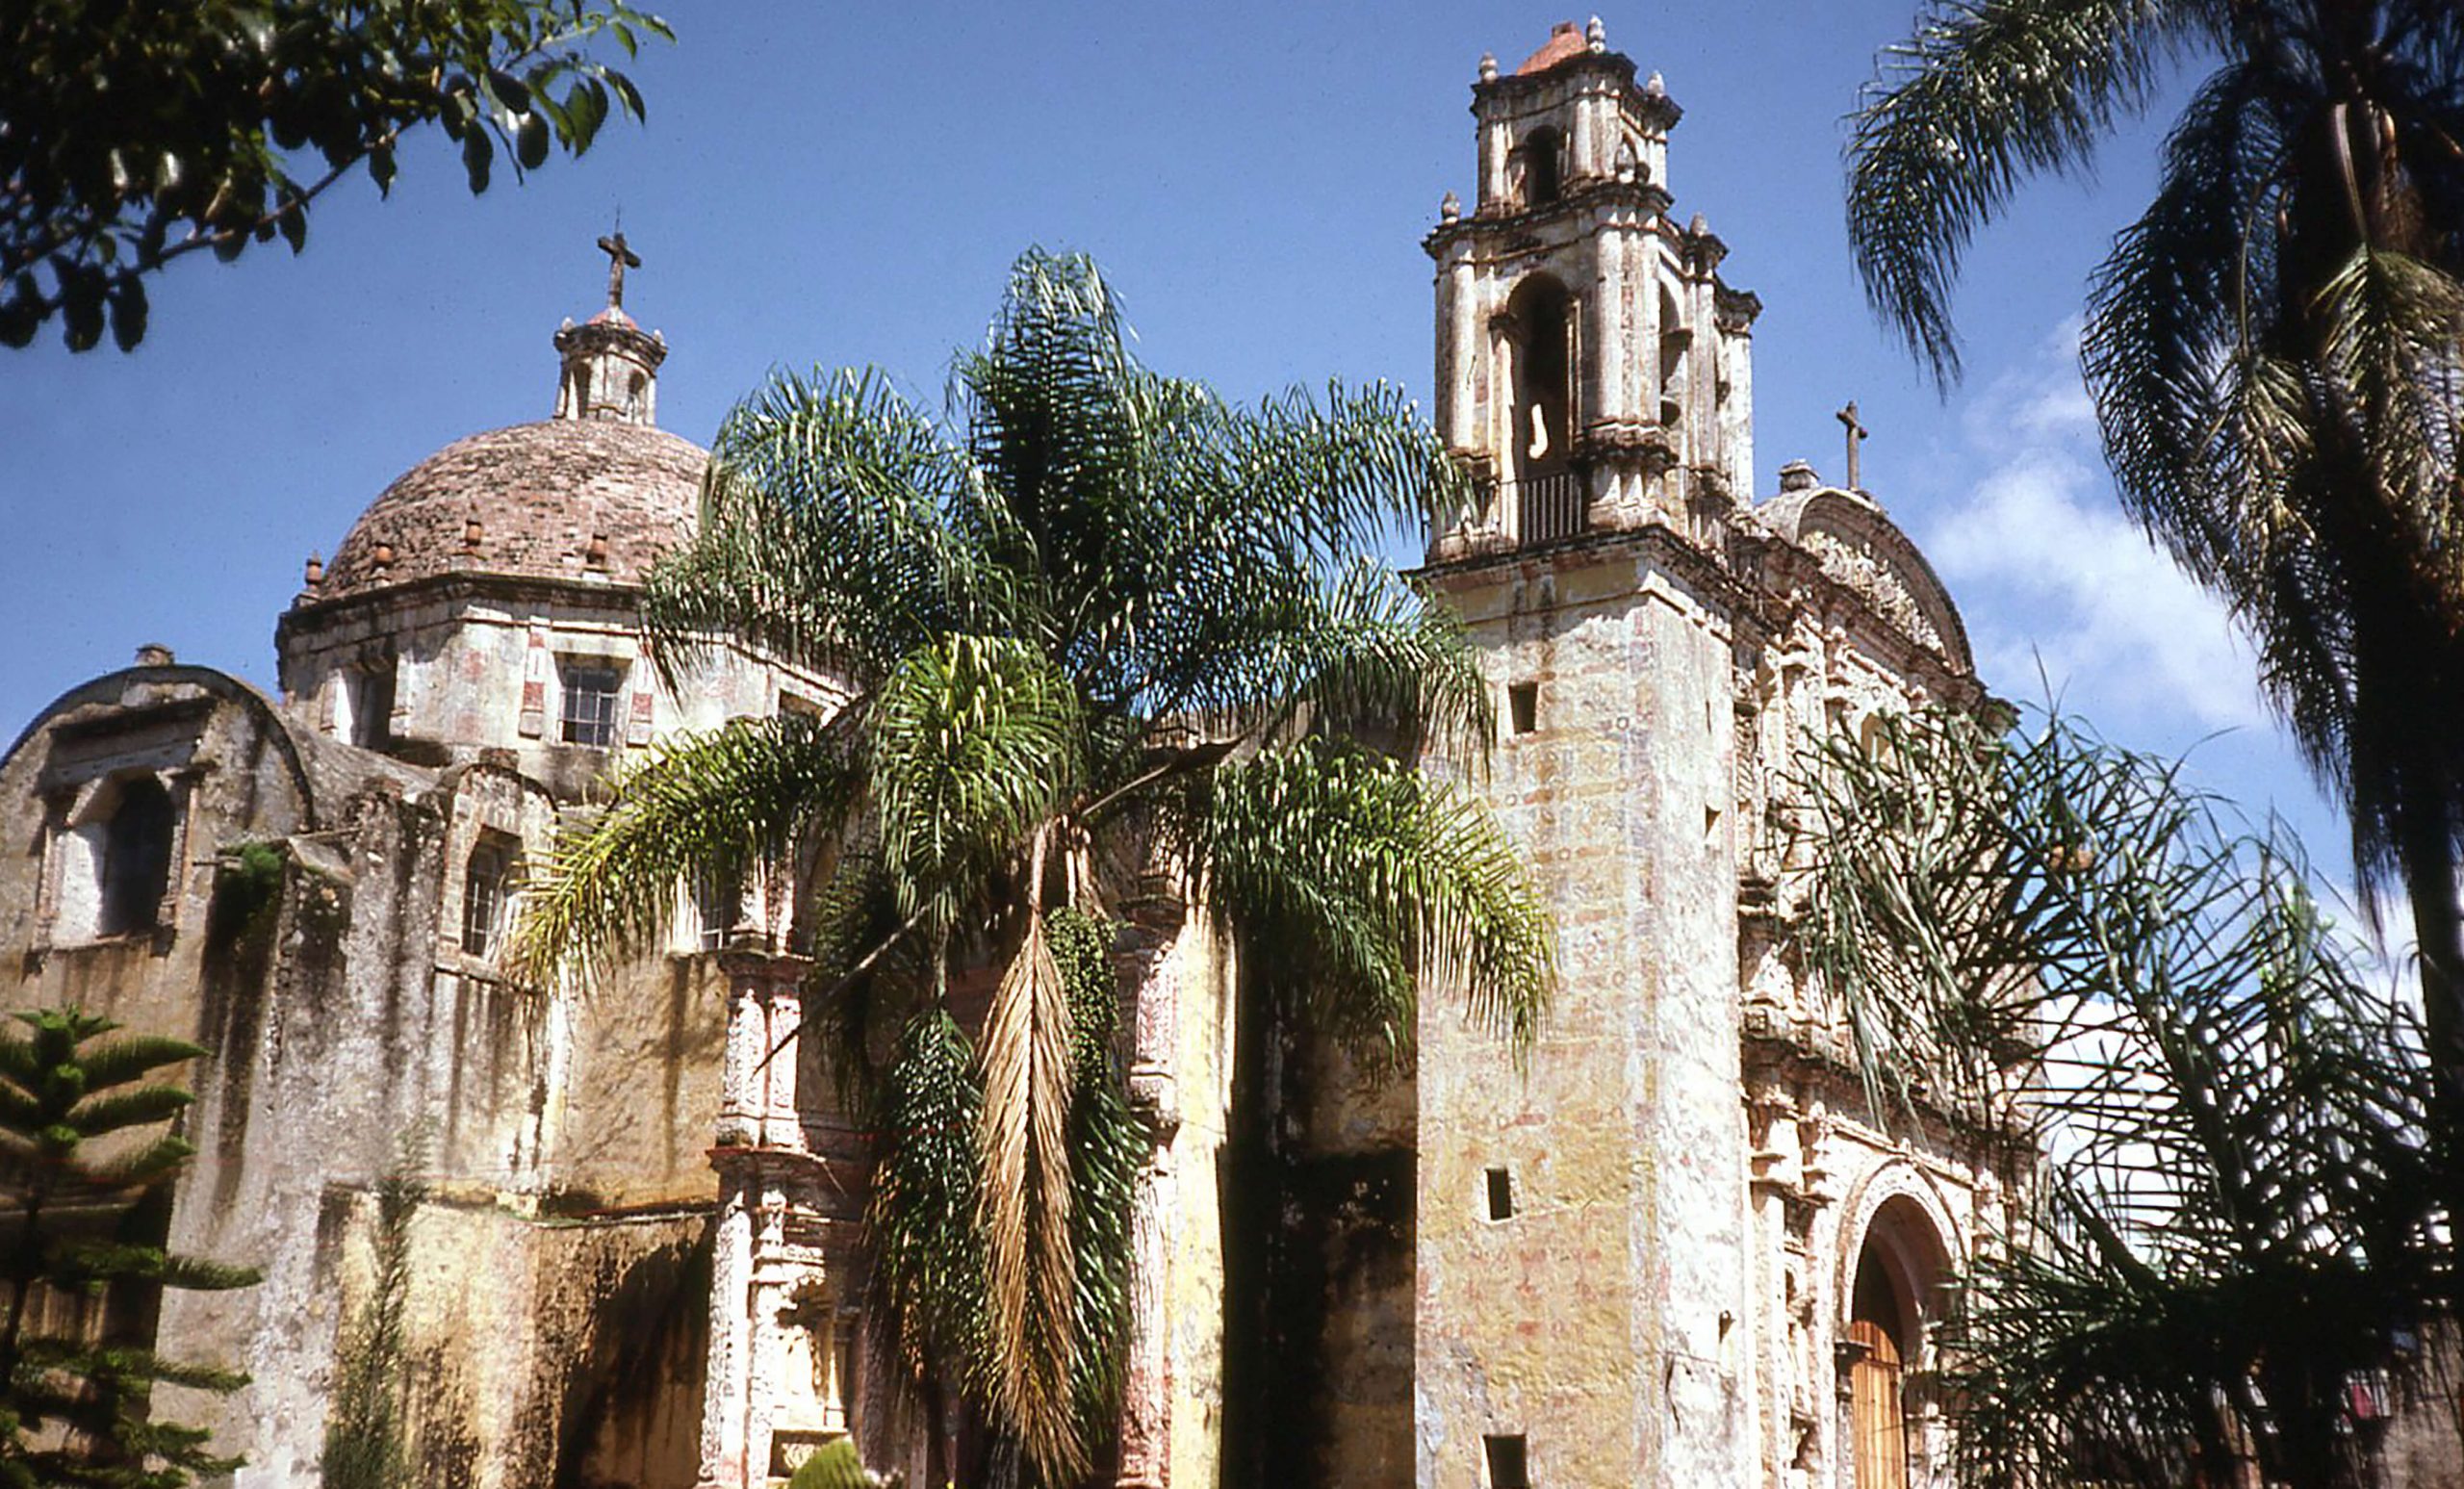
1565	43
547	494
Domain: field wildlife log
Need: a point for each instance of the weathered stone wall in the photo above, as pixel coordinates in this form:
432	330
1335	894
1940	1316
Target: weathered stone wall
474	661
1341	1292
345	1025
565	1354
1597	1320
1183	1066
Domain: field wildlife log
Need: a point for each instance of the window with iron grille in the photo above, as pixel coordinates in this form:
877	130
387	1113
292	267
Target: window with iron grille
718	899
483	896
591	692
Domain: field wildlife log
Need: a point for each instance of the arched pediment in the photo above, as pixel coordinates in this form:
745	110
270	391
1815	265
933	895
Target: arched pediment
150	689
1865	552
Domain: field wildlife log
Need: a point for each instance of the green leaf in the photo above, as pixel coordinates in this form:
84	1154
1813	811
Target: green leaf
128	313
478	155
509	90
531	140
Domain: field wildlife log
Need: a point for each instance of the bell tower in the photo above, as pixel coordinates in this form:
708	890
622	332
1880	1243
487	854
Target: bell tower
1592	369
1580	1291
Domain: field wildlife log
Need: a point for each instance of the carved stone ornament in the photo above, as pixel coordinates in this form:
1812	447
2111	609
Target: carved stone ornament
1852	561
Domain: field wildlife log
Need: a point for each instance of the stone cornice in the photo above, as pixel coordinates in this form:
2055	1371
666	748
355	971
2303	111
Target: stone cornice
1655	540
1652	202
308	613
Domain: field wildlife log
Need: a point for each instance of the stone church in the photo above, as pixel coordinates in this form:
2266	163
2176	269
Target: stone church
1676	1251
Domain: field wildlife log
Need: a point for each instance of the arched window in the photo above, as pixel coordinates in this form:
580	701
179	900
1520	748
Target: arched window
1543	167
370	702
137	857
1676	345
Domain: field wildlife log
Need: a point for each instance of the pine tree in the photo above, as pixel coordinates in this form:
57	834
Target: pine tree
77	1167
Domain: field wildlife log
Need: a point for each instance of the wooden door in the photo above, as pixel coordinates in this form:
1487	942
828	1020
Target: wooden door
1874	1411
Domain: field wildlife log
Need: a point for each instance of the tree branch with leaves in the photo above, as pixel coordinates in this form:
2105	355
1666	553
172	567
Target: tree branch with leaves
2242	1208
133	135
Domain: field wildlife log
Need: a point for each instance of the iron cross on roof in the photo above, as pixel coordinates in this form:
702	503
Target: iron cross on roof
1856	433
619	258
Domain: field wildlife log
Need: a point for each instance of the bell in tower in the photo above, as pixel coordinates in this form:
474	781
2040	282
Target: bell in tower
1592	369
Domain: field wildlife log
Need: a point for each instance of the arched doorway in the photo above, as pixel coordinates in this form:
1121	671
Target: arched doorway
1894	1293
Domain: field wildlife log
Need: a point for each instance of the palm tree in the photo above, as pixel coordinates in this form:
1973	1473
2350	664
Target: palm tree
1095	622
2237	1220
2273	348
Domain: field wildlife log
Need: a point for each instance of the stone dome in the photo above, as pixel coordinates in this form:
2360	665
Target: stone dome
591	501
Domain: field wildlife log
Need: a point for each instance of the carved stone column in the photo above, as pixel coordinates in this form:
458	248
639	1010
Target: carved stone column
1146	1379
727	1372
766	1248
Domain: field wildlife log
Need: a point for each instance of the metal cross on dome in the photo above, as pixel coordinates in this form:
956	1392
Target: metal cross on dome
619	258
1857	434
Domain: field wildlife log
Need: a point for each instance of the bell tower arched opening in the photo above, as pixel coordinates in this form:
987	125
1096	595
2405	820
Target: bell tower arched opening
1549	498
1543	155
1543	377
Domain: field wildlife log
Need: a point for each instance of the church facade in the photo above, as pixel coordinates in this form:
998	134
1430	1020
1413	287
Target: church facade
1675	1249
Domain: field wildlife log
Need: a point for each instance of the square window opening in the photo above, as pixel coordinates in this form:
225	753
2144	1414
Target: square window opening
371	707
591	691
1501	1195
1507	1465
1522	707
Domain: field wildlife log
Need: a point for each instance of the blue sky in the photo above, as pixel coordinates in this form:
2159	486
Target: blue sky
841	185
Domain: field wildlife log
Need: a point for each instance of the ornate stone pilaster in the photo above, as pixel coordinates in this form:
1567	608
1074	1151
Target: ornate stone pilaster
778	1378
727	1375
1145	1460
758	1080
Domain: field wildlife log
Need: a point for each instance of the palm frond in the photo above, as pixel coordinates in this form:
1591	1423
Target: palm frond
714	802
922	1216
1987	94
975	741
2240	1209
2171	347
1031	1265
1366	876
1107	1148
1369	655
858	1015
824	534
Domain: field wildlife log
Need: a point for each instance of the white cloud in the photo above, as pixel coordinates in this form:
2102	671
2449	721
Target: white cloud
2052	575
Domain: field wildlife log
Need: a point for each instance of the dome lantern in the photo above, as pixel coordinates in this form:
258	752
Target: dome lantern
610	364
